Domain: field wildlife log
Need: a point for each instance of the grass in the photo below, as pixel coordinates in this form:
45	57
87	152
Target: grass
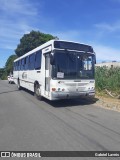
107	78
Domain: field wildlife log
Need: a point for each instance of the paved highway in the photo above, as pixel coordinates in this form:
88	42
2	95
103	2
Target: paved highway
27	124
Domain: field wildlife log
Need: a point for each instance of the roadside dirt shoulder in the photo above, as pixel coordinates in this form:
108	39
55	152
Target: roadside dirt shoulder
108	103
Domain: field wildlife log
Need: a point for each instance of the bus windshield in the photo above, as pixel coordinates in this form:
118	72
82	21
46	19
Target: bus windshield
73	65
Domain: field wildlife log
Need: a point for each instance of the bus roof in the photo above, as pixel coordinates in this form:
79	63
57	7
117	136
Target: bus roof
45	45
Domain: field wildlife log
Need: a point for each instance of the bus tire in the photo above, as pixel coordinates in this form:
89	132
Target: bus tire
18	85
37	91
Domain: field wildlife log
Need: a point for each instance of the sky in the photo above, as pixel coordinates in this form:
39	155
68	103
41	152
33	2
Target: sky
92	22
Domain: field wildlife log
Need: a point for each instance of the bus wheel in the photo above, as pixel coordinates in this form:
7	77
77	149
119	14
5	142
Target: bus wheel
18	85
37	92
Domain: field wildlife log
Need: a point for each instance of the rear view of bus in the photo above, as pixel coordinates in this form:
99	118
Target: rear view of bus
72	74
57	70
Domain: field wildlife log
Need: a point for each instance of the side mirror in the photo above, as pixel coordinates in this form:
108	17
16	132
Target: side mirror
52	60
95	60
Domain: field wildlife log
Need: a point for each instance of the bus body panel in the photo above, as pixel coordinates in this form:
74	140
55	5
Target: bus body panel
70	89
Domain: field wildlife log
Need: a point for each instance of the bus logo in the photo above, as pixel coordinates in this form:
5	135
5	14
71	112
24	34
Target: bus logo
5	154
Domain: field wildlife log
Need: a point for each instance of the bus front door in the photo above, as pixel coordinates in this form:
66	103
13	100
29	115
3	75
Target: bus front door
47	74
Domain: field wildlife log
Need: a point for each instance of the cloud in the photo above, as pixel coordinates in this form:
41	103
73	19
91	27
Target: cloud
17	6
106	53
10	46
70	35
103	52
116	1
17	18
109	27
10	33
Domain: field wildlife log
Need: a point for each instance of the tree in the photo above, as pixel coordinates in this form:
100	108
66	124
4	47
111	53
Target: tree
31	41
9	63
8	66
1	72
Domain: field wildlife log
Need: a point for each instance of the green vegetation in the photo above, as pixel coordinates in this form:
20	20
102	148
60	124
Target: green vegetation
27	43
31	41
1	72
108	79
8	67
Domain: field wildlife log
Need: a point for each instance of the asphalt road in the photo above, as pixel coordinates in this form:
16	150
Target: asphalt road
27	124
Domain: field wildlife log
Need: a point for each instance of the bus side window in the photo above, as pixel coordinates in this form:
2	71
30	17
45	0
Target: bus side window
14	66
25	63
38	60
21	67
16	63
31	61
22	64
18	67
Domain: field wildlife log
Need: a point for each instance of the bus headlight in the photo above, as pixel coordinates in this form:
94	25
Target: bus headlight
53	89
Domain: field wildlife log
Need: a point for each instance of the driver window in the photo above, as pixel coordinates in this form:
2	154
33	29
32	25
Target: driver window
87	63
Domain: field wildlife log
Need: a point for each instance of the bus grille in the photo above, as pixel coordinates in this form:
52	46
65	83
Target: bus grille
76	84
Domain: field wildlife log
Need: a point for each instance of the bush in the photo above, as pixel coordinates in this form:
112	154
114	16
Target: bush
107	78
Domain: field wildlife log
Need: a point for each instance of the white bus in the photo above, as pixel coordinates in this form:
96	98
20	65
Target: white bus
57	70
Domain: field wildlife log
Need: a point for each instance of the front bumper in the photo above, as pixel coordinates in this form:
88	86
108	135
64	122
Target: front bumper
70	95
